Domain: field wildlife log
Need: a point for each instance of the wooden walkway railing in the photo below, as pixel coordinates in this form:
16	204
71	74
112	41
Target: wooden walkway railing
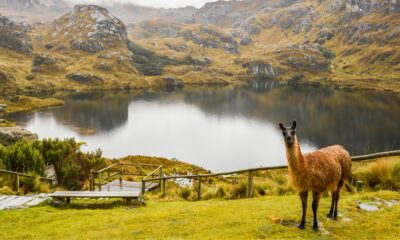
18	175
250	172
117	169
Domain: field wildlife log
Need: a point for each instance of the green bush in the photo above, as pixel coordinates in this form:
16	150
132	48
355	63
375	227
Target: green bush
30	184
71	164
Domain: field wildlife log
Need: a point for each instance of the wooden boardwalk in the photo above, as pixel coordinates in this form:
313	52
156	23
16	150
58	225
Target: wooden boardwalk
115	186
13	202
114	189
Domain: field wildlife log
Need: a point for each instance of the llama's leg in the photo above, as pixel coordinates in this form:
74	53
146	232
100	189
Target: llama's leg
330	214
315	202
337	196
336	204
303	197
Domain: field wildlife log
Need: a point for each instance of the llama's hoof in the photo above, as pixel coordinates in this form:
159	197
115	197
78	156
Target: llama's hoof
301	226
315	227
334	218
330	215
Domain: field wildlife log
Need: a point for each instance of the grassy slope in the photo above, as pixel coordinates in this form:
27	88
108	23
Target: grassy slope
214	219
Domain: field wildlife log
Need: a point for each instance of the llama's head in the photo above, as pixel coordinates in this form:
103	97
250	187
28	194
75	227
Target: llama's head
289	133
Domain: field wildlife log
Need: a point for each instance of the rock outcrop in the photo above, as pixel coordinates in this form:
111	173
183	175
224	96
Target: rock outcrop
85	78
13	36
262	69
88	28
44	63
5	77
10	135
305	57
211	37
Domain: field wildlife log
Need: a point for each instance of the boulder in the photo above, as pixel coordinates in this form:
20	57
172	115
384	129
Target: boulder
30	77
102	66
84	78
88	45
13	36
177	47
323	36
105	56
3	107
173	82
44	63
230	48
3	76
10	135
245	41
6	76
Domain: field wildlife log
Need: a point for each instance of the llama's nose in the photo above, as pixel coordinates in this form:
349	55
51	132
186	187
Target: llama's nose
288	138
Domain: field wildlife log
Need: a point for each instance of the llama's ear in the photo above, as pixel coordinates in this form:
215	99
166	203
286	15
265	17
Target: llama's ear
281	126
294	125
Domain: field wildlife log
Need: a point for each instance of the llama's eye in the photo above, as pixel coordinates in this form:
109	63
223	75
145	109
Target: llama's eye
293	132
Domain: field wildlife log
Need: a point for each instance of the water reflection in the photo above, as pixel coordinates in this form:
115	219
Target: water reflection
223	128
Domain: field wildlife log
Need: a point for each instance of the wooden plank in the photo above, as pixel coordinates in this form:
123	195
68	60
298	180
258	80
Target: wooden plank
36	201
90	194
127	185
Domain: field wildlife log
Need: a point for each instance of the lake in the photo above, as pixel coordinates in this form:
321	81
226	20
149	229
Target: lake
221	129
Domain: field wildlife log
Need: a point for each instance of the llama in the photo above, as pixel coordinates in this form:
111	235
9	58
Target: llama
318	171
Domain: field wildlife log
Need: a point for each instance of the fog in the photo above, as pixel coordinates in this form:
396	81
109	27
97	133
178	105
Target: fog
147	3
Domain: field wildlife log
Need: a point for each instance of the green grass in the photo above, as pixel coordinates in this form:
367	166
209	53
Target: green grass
258	218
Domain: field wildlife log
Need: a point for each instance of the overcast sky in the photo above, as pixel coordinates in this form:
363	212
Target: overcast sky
152	3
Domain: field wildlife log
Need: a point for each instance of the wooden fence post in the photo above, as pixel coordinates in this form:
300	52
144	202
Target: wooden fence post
359	186
100	181
17	182
91	180
199	190
121	174
143	186
250	185
164	183
161	175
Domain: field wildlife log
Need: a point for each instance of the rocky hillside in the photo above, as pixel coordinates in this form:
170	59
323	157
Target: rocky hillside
345	43
342	42
85	48
88	28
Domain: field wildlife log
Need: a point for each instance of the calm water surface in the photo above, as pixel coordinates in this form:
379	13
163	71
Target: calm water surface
222	129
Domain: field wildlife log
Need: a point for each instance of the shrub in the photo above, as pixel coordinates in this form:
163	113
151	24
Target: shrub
260	190
5	190
239	191
380	175
209	193
185	193
221	191
30	184
71	164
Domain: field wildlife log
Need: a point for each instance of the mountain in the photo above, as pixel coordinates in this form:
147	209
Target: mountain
85	48
348	43
341	43
31	11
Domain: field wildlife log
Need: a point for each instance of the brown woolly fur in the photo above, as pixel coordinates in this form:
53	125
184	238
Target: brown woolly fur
318	171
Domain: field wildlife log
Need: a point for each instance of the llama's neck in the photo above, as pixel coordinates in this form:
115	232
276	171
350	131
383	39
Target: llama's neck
295	157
